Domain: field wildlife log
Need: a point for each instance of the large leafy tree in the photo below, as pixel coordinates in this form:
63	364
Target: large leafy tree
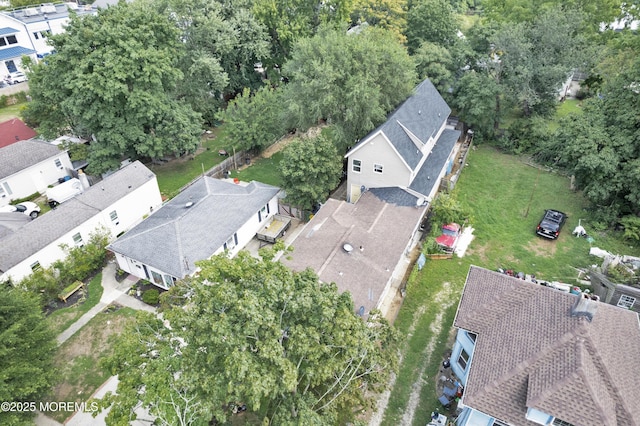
223	42
113	79
350	80
387	14
288	21
251	331
310	169
27	347
431	21
253	121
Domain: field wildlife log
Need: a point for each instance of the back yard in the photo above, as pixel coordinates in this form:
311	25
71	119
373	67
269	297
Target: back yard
506	198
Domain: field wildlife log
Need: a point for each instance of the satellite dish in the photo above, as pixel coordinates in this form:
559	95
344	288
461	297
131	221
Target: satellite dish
420	202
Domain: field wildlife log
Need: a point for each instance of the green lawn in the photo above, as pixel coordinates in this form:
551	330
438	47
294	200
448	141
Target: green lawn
507	199
61	319
9	112
265	170
568	107
77	360
177	173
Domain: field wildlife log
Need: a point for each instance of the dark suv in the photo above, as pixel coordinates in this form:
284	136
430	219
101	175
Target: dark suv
551	223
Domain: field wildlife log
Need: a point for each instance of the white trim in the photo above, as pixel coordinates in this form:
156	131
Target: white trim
416	141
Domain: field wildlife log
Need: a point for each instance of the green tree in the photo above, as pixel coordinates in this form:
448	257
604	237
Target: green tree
292	20
435	63
252	331
387	14
475	97
431	21
254	121
310	169
350	80
223	41
27	347
112	80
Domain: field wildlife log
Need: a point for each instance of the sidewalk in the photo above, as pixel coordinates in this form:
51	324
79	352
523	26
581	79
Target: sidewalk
113	292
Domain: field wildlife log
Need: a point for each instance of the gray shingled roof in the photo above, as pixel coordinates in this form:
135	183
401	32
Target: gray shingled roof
432	166
39	233
175	237
20	155
531	352
423	114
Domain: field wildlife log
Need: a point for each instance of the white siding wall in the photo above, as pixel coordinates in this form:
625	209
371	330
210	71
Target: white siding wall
377	151
131	210
36	178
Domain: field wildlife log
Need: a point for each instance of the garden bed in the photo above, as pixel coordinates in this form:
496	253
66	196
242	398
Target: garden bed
139	289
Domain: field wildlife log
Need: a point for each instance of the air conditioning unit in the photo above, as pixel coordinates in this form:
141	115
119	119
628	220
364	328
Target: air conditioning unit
31	11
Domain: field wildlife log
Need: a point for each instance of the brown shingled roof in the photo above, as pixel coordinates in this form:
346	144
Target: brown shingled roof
532	353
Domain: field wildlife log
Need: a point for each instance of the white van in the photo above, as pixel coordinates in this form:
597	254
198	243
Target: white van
63	192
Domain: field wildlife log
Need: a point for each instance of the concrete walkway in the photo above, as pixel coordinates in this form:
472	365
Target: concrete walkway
113	291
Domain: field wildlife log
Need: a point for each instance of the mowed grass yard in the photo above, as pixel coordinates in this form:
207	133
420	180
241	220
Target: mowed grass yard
506	199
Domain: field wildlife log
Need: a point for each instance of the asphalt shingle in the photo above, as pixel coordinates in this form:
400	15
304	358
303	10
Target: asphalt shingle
20	155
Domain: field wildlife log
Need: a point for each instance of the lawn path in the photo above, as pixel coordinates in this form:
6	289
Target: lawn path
443	301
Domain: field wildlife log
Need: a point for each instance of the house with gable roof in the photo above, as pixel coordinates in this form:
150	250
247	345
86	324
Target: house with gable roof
403	151
29	166
207	218
14	130
530	355
116	203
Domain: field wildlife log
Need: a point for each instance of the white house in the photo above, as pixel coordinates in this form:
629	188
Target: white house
27	167
116	203
25	30
412	150
207	218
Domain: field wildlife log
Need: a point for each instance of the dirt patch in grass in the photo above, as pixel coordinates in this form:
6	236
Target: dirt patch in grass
282	143
542	248
78	359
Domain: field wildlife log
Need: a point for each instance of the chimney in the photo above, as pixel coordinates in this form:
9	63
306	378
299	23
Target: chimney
584	307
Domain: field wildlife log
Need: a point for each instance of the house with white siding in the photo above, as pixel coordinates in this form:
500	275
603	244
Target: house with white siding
116	203
30	166
411	151
209	217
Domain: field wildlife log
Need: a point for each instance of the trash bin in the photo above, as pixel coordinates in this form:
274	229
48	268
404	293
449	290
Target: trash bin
227	173
247	160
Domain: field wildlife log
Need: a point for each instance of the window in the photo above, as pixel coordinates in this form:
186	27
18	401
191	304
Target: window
114	217
626	301
231	242
35	266
472	336
7	188
357	166
377	168
497	422
558	422
157	278
58	163
168	280
36	35
12	39
463	359
77	239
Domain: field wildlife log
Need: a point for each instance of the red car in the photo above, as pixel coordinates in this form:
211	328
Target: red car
449	238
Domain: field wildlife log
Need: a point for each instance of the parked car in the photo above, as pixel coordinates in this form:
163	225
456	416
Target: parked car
16	77
26	207
65	191
449	238
551	224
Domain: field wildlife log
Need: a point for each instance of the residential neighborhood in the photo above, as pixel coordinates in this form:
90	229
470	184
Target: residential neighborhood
337	213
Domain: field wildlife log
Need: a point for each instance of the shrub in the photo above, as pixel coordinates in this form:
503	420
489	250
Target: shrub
151	296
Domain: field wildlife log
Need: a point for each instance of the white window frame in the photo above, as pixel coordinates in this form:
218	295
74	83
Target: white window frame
357	168
58	163
626	302
377	168
5	189
559	422
35	266
77	239
231	243
464	359
114	217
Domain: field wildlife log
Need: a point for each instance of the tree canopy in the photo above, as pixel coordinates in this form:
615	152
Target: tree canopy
27	347
350	80
311	169
113	79
431	21
250	331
